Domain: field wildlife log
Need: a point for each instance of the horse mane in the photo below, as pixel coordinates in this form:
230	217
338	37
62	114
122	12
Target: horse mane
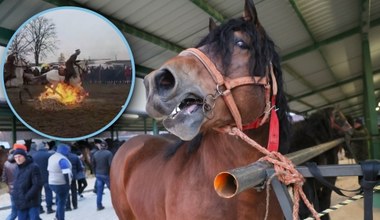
263	52
315	129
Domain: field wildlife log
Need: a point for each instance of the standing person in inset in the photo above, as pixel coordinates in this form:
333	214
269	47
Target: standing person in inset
81	177
8	178
75	168
60	177
10	67
27	186
70	71
41	157
102	163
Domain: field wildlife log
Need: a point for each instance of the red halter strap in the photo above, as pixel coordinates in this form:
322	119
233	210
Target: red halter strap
228	84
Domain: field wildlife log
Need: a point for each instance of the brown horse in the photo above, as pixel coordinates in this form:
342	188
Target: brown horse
227	81
3	158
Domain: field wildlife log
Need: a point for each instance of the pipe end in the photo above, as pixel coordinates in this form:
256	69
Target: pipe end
225	185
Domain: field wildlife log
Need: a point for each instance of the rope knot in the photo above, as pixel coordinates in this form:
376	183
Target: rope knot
286	172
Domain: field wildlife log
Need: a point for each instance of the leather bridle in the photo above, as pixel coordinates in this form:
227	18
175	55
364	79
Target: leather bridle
224	85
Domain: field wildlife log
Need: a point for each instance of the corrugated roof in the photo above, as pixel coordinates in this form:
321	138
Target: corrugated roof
319	40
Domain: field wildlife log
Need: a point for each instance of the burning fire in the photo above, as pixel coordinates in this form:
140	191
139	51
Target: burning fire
65	94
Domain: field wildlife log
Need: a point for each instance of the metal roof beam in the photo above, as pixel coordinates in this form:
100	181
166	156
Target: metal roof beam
298	76
337	101
302	102
205	6
127	28
302	19
342	82
333	39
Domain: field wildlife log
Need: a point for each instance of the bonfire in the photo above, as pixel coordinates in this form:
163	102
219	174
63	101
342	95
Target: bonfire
62	96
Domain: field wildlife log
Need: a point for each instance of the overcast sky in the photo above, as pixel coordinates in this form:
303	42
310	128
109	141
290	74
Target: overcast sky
79	29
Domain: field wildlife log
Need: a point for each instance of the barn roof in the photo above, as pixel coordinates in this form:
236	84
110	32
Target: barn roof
320	42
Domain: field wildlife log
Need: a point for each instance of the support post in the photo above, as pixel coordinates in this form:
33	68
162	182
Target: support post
145	128
14	134
155	127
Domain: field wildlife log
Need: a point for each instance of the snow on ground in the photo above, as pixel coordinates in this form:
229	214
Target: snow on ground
86	207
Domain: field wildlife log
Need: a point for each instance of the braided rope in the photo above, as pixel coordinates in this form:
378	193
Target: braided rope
284	170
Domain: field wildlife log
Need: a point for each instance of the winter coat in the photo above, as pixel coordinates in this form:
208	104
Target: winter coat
27	185
76	165
41	158
101	162
9	171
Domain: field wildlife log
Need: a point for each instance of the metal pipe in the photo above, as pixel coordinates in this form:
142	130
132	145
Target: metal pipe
230	183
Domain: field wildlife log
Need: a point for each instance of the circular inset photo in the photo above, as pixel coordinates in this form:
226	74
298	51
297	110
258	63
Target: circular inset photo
68	73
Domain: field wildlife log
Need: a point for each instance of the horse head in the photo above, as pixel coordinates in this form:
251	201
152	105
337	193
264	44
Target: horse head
223	81
339	122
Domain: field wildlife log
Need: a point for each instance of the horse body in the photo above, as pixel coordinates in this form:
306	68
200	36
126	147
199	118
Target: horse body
3	158
320	127
167	179
53	76
181	187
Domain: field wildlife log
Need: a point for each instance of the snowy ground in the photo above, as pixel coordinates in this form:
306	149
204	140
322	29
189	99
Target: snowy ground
86	207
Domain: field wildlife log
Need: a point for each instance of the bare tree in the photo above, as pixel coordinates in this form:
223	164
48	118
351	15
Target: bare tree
20	45
41	35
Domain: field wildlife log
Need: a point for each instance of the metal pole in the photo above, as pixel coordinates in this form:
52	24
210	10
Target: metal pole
155	127
230	183
14	130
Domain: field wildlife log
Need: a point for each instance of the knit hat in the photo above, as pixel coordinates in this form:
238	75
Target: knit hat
63	149
20	151
19	146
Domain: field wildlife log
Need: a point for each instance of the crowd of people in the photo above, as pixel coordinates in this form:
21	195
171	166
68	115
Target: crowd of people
57	171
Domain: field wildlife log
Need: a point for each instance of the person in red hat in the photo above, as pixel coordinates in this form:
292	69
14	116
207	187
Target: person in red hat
20	146
27	186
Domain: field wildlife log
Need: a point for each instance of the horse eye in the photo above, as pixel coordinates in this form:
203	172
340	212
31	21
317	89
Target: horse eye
241	44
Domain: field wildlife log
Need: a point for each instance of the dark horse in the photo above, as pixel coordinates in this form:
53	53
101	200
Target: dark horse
320	127
227	81
3	158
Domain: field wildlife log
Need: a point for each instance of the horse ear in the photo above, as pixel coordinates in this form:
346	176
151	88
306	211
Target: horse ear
250	13
211	25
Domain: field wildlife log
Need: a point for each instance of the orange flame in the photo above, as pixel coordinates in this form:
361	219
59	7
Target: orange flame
65	94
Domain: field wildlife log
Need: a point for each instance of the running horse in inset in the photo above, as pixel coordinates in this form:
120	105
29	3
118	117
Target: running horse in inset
231	79
56	76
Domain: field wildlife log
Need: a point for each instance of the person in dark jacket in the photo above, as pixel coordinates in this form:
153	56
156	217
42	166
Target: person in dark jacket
27	186
8	178
41	157
70	71
81	177
101	162
76	167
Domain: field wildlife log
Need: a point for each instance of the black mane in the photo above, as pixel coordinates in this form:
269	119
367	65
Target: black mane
315	129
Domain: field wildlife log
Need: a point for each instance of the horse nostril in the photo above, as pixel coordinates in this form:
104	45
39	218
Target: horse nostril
164	80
